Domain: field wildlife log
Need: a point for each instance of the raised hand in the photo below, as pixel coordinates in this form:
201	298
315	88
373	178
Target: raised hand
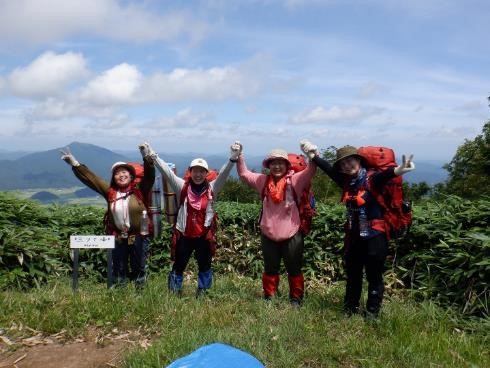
406	166
147	151
68	157
235	150
308	148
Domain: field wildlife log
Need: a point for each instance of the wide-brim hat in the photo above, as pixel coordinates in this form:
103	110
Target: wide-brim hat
199	162
344	152
274	154
125	165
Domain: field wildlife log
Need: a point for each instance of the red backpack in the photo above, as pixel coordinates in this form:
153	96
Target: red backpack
139	170
397	211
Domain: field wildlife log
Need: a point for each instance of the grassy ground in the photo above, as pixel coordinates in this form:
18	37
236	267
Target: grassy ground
408	334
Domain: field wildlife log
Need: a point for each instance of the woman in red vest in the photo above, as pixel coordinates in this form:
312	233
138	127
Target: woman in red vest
194	230
126	200
366	244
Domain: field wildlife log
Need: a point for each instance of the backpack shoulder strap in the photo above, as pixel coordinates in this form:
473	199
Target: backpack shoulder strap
139	195
289	184
378	195
111	195
183	192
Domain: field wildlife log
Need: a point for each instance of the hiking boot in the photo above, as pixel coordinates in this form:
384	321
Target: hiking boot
267	298
295	303
350	311
371	316
175	283
200	292
296	288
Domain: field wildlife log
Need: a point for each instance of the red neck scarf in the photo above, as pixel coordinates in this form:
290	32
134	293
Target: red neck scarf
276	190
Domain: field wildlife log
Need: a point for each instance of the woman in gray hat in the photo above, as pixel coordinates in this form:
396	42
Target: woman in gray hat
126	200
280	220
366	239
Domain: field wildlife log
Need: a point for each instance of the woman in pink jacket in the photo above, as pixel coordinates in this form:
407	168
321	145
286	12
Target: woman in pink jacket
281	237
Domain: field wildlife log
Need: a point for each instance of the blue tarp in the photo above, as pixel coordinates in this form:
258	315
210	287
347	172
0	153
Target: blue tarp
217	355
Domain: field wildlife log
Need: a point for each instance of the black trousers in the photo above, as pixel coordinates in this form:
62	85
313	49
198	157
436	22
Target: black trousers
136	253
290	251
369	255
184	249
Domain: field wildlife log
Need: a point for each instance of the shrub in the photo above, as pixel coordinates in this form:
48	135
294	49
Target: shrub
445	256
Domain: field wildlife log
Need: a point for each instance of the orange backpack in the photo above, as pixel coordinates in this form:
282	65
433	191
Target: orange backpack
139	170
397	211
305	202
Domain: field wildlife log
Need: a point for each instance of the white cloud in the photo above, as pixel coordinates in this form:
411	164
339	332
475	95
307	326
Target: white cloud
442	132
295	4
69	108
204	84
185	118
472	105
124	85
47	75
110	122
3	85
370	89
118	85
138	25
37	22
334	114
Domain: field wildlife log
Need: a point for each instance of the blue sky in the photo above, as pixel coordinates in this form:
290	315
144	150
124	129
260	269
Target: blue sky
197	75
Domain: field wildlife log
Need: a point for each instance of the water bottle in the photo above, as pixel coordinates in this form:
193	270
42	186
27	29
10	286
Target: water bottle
144	223
363	223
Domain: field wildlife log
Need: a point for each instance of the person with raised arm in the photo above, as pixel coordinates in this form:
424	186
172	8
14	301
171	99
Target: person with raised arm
366	238
126	200
281	237
195	228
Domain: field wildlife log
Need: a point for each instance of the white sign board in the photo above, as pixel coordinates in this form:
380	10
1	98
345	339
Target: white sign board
92	241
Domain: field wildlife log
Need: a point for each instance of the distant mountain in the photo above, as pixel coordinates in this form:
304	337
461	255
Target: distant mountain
182	160
46	169
86	192
45	197
429	171
12	155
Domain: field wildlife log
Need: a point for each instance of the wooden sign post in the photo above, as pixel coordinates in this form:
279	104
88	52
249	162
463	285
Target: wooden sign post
78	242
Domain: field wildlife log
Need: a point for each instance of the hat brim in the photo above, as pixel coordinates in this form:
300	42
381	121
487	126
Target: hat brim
267	161
205	168
125	166
336	163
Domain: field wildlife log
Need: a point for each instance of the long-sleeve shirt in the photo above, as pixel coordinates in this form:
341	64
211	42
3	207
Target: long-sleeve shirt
127	212
177	184
279	221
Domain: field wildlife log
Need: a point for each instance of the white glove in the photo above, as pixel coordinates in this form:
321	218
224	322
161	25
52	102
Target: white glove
68	157
308	148
235	150
147	151
406	166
